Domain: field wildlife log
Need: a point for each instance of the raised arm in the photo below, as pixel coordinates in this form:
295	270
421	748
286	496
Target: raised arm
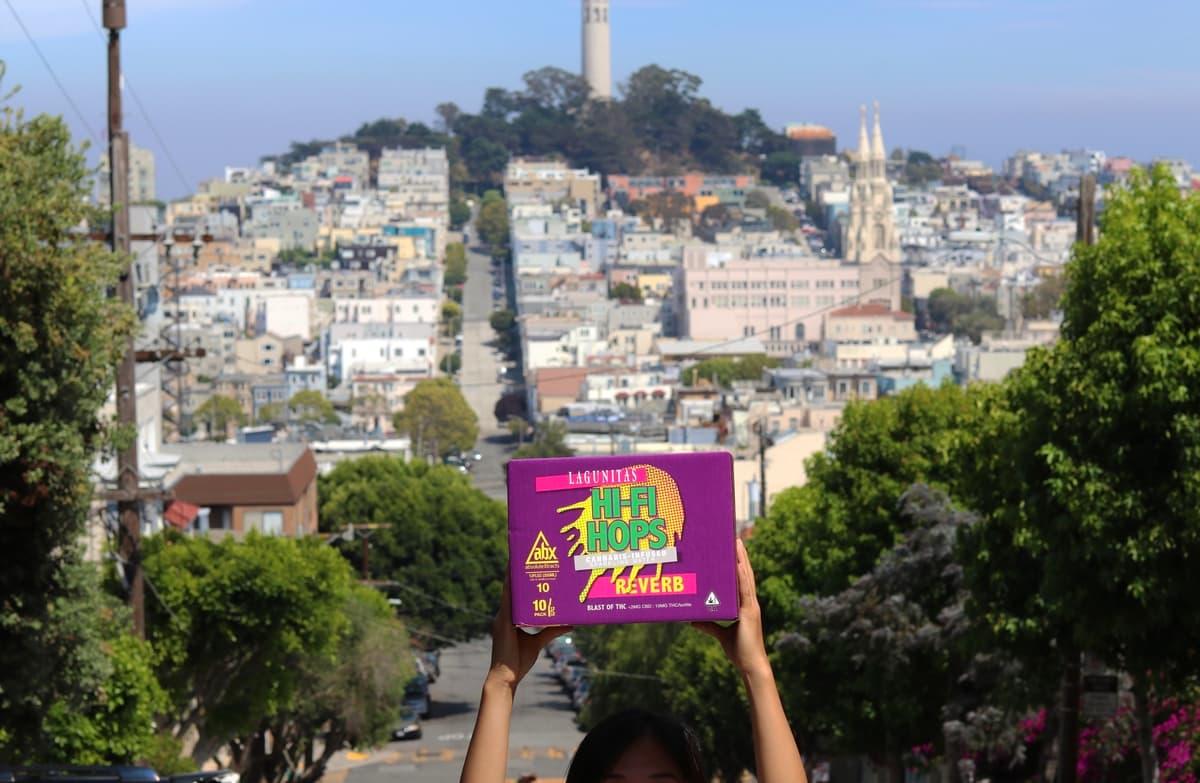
778	758
513	654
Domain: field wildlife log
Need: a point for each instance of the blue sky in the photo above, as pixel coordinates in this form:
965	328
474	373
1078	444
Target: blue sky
225	81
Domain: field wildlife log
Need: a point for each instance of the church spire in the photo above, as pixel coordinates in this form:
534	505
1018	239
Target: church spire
864	151
878	151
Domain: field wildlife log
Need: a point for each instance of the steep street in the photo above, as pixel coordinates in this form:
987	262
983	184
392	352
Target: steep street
478	377
542	741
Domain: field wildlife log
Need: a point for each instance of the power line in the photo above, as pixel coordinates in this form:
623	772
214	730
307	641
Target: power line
585	371
142	109
71	101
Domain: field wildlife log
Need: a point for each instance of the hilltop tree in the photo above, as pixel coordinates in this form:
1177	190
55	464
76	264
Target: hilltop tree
60	341
437	418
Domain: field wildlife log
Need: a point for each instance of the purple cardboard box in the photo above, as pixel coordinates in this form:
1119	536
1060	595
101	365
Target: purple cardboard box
630	539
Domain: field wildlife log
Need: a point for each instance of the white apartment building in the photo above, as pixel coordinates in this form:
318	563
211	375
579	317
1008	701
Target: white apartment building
387	310
381	348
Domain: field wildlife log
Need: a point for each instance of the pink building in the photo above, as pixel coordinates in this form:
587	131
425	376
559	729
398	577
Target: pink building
781	300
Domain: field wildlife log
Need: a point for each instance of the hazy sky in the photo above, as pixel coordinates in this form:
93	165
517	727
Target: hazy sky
226	81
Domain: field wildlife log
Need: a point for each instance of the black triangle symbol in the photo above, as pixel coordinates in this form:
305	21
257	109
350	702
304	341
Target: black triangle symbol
712	600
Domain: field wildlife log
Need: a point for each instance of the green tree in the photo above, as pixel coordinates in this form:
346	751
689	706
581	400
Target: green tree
283	602
451	363
456	264
757	199
818	537
99	708
502	320
492	222
437	418
60	341
356	702
782	219
1045	298
443	541
670	207
723	372
962	315
272	413
549	440
781	168
879	666
1099	491
312	407
452	317
625	292
218	412
460	212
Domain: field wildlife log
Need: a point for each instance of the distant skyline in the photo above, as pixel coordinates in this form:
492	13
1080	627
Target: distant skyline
227	81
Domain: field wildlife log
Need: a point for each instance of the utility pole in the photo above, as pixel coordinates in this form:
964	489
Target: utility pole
762	467
128	483
1085	234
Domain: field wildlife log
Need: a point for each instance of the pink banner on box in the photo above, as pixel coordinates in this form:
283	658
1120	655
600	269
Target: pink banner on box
584	479
642	584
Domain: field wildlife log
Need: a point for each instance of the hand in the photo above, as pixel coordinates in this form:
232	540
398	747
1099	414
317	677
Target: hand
743	641
513	651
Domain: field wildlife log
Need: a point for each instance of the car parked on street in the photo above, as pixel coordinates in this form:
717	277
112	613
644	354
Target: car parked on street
416	696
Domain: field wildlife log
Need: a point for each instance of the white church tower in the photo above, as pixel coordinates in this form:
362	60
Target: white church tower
871	230
597	49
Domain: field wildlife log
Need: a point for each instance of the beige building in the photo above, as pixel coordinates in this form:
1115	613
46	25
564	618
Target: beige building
266	353
142	186
529	181
870	323
785	469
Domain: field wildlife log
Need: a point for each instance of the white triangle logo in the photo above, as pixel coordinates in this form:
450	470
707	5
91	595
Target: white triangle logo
712	600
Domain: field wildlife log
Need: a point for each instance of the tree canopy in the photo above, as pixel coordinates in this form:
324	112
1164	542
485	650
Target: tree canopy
443	542
437	418
723	372
60	341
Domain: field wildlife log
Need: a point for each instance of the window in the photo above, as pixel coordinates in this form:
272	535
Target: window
843	387
775	332
266	522
398	352
758	284
849	284
747	331
864	388
778	284
799	331
801	301
799	284
825	284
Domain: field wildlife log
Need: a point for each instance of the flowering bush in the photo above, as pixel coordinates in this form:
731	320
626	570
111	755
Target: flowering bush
1109	752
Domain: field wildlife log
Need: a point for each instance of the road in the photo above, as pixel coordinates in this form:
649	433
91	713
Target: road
478	377
542	740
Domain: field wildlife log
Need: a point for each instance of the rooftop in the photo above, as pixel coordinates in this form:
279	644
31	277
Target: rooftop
872	311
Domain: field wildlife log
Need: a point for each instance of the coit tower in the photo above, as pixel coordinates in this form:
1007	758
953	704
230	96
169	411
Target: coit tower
597	49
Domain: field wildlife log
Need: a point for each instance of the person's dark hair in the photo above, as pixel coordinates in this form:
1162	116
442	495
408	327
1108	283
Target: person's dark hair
610	738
